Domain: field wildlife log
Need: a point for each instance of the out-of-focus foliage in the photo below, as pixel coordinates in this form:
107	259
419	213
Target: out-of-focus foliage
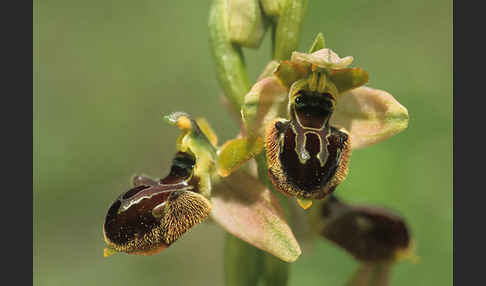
106	71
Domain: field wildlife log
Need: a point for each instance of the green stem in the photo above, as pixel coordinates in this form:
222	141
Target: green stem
243	263
276	271
230	67
289	25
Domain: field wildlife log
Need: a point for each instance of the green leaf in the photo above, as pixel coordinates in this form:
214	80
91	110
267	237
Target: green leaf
369	115
244	207
349	78
319	43
236	152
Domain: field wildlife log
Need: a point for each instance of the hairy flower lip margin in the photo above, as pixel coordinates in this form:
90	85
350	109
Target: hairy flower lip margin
153	214
254	216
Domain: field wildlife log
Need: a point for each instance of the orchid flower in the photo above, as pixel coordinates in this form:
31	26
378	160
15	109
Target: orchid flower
301	121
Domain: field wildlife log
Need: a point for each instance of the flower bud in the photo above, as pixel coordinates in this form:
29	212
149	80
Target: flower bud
370	234
272	7
246	24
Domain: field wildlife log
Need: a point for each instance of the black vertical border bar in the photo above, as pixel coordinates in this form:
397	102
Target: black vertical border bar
35	36
17	152
16	210
469	201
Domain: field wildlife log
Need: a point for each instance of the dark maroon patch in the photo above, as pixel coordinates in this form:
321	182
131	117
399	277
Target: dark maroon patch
134	191
130	216
311	177
123	227
181	169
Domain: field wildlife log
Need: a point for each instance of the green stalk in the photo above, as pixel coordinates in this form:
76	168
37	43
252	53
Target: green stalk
244	264
276	272
285	39
289	25
230	67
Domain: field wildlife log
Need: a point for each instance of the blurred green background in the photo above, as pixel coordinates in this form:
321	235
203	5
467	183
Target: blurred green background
106	71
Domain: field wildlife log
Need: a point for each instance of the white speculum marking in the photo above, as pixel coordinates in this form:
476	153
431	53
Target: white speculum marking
301	137
153	191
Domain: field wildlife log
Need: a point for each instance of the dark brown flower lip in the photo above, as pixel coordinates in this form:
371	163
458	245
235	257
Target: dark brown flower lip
134	221
370	234
147	192
311	179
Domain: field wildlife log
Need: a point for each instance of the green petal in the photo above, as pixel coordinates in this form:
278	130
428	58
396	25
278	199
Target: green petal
194	139
347	79
208	131
246	209
289	72
236	152
369	115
